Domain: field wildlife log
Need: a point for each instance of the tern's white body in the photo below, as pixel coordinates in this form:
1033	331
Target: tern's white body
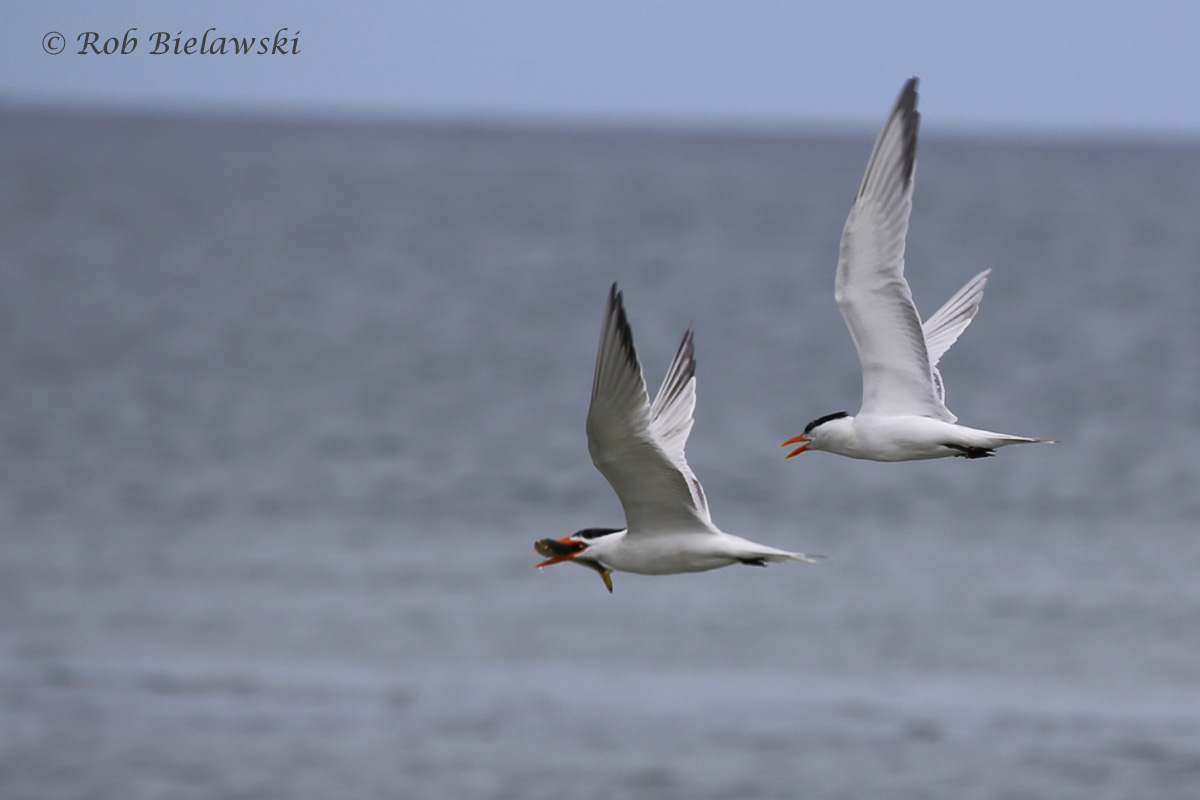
669	553
903	415
882	437
639	448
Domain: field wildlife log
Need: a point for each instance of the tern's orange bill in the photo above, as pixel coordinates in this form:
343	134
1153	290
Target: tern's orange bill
798	450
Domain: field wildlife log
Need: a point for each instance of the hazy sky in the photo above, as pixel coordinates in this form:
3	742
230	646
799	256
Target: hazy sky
1020	66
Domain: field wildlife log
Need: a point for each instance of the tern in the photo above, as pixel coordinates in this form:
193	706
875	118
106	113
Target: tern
638	447
903	415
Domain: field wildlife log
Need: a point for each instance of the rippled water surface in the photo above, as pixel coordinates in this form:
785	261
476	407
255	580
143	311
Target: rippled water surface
283	407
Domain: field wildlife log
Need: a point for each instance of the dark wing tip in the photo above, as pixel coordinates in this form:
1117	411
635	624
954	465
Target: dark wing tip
906	106
686	354
616	313
905	116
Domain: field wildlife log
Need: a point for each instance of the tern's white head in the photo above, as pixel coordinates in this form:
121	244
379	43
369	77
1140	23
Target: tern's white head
823	433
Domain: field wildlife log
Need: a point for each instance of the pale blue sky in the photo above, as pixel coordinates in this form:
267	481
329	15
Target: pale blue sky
1066	67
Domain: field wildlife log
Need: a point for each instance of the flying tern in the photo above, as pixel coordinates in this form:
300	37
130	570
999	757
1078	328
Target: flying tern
903	415
638	447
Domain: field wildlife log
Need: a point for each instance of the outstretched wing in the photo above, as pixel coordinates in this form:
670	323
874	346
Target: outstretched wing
943	328
639	448
870	288
945	325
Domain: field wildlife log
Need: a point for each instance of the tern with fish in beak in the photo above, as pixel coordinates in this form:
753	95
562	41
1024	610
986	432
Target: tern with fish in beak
638	447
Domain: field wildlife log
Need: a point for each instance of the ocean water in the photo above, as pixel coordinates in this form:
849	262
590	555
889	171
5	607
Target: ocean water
284	406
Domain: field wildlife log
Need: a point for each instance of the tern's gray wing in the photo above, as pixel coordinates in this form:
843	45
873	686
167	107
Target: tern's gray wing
943	328
870	288
638	448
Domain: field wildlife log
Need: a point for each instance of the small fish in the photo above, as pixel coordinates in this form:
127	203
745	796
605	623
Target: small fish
551	548
558	549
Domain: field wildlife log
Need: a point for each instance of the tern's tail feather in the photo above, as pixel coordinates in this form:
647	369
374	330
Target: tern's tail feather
986	445
807	559
763	554
977	437
1004	439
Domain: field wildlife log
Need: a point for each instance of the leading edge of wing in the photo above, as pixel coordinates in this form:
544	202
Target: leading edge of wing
638	450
